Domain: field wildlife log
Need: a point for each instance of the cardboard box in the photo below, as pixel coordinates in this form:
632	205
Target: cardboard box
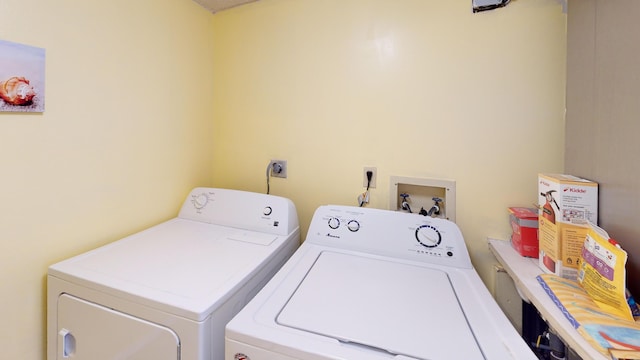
565	204
524	223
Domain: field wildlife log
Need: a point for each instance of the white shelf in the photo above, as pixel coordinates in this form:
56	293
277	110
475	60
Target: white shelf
523	271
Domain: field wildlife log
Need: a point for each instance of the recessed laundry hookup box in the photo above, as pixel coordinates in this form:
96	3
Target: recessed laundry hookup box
524	223
566	203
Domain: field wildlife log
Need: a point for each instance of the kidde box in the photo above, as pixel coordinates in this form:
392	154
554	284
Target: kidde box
524	223
566	203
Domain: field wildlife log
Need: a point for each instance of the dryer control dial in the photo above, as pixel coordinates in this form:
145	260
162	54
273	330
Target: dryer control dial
428	236
267	211
200	201
334	223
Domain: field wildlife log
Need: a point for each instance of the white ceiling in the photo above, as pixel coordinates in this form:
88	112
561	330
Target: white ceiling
218	5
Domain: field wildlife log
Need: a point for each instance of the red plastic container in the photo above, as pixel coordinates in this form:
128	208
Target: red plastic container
524	223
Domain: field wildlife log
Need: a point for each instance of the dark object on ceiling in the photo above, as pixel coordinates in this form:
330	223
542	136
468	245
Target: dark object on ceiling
484	5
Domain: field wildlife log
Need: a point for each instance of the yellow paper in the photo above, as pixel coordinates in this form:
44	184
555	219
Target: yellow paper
602	272
602	329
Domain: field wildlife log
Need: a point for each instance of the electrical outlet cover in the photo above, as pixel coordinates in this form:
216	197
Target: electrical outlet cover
279	168
373	178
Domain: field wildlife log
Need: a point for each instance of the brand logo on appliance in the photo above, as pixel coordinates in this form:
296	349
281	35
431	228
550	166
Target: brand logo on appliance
575	190
333	236
240	356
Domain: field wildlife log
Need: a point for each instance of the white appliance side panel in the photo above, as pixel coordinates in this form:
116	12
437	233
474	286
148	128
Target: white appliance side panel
87	331
395	307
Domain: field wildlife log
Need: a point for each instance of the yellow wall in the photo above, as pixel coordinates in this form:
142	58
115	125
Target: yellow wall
126	133
417	88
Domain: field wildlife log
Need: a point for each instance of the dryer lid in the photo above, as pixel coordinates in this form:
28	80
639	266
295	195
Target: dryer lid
394	307
183	267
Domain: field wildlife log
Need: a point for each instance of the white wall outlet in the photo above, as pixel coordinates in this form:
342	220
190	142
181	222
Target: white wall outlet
374	176
279	168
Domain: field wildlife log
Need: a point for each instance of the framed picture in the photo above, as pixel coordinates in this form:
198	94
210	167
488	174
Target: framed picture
21	77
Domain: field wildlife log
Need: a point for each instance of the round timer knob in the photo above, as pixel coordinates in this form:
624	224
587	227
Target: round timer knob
267	211
334	223
428	236
200	201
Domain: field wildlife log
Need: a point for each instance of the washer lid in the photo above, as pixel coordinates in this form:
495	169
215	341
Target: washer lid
394	307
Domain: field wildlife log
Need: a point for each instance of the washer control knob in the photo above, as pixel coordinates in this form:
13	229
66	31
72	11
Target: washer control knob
428	236
200	201
334	223
267	211
353	225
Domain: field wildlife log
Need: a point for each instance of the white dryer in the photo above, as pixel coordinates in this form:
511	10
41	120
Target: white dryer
167	292
375	284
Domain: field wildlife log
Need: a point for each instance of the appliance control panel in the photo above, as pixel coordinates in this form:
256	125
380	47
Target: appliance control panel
241	209
390	233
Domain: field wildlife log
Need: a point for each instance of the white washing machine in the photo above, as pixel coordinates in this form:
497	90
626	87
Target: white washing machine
375	284
167	292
